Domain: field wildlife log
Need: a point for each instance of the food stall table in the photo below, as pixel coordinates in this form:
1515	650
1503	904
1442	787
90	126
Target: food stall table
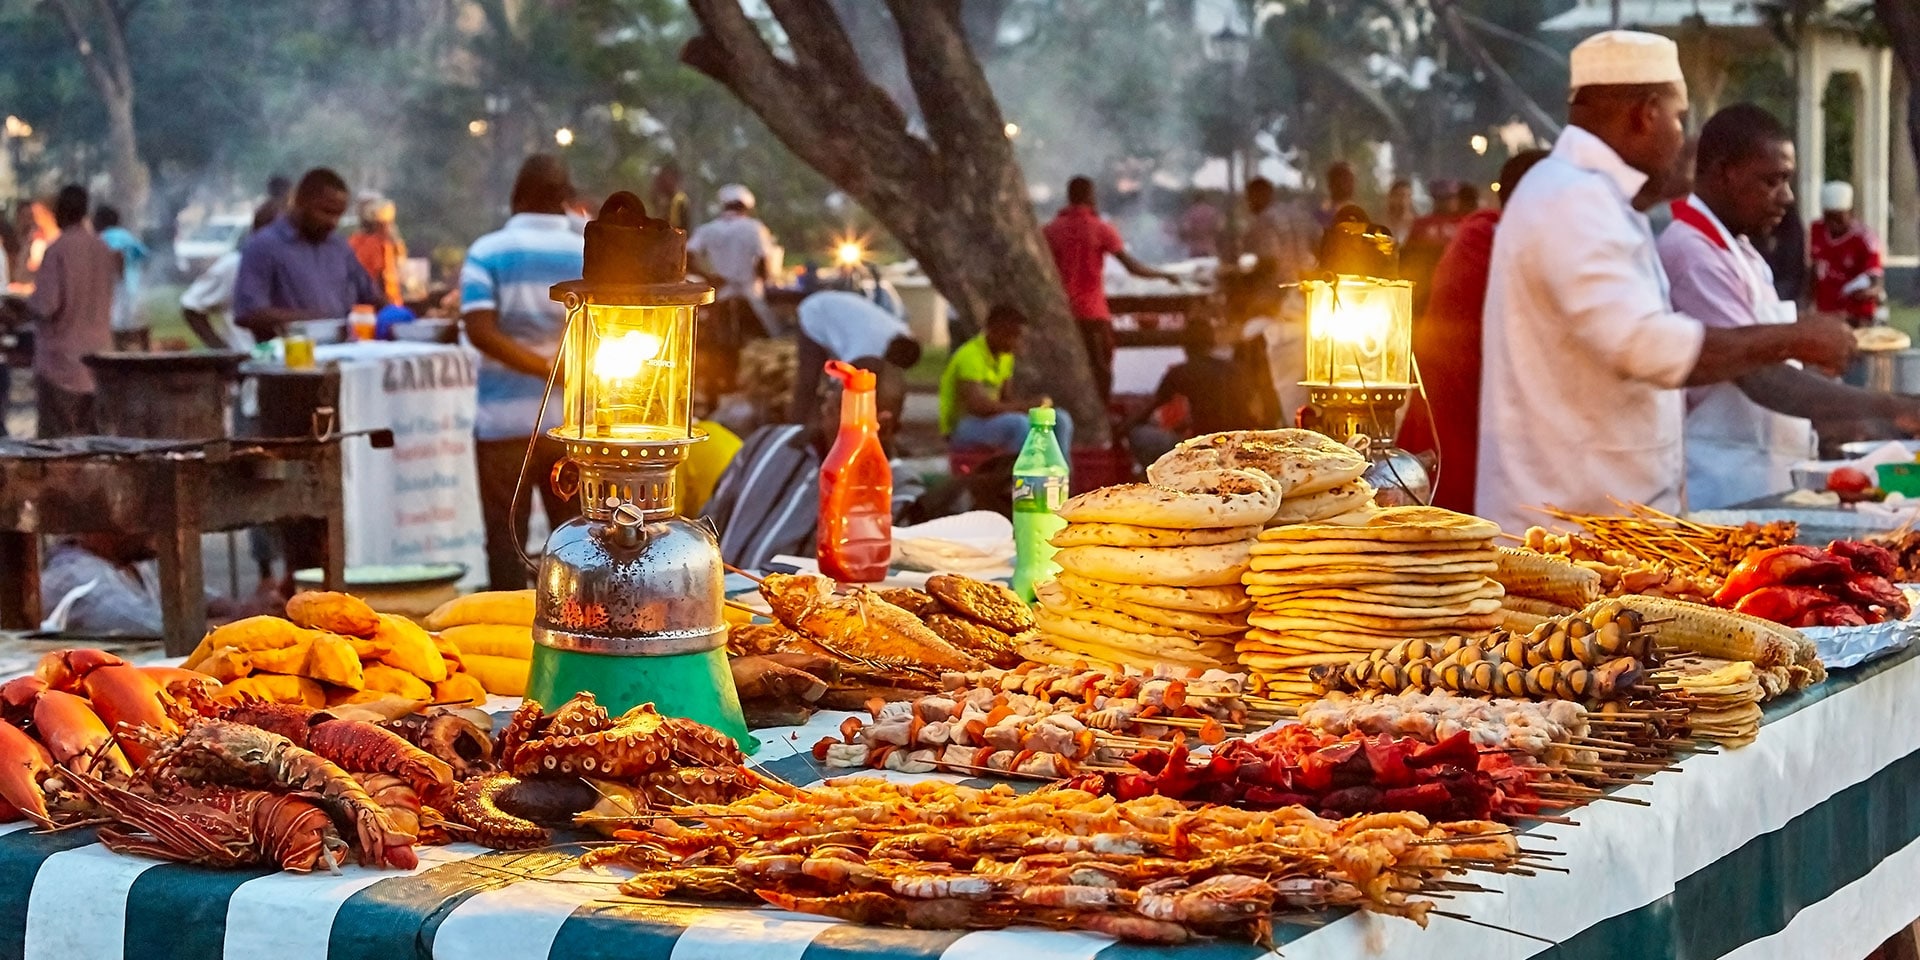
419	502
1800	845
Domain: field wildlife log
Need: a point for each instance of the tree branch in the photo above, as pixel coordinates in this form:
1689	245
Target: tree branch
1509	88
89	59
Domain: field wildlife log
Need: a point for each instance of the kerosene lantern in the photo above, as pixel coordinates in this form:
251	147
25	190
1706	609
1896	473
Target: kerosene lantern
1360	358
630	594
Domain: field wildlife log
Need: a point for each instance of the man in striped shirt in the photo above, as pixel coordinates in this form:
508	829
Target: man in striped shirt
516	325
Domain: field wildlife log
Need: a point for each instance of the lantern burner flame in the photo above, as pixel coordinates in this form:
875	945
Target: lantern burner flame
621	357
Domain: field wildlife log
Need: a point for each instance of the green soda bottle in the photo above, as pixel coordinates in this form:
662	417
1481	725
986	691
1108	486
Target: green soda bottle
1039	488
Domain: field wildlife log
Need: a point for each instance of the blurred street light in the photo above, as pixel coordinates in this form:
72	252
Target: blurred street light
563	136
1013	130
477	127
1479	144
17	127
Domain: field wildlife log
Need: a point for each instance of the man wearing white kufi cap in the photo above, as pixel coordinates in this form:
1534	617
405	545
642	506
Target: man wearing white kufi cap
1584	355
1846	258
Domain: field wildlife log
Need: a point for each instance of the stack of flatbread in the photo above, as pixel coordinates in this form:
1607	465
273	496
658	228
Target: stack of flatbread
1724	699
1331	592
1319	477
1150	573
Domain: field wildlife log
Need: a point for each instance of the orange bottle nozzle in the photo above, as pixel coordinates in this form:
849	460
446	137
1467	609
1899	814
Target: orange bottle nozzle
850	376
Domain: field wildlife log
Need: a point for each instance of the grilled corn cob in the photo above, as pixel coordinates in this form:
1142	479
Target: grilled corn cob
1713	632
1525	573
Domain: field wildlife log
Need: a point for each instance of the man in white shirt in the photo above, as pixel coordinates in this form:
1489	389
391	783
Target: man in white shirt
839	325
1584	356
736	252
1743	437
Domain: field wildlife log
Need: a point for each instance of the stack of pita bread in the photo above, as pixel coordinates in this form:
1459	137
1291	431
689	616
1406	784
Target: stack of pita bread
1331	592
1150	573
1319	477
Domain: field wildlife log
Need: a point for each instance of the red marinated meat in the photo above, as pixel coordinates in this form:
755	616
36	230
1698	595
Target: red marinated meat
1781	565
1832	615
1874	591
1870	558
1783	604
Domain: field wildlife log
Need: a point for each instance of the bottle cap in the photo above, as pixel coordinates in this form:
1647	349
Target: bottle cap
850	376
1040	417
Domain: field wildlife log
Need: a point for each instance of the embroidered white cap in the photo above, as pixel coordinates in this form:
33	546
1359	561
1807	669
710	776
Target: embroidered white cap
1836	195
1622	57
736	193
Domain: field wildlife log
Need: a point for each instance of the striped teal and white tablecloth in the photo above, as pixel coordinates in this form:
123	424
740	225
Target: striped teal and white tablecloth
1801	845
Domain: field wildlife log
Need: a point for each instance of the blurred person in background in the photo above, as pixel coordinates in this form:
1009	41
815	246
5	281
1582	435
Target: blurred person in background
206	305
976	412
1081	242
379	248
296	268
513	320
1342	184
666	199
72	304
842	325
1400	213
1446	345
1786	251
279	195
737	254
1209	392
1199	227
129	314
1427	239
1848	276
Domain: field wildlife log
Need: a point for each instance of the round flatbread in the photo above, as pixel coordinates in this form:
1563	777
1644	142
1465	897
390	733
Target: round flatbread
1129	535
1423	609
1231	598
1474	588
1083	637
1362	623
1331	502
1288	661
1288	580
1058	600
1463	562
1210	566
1204	624
1419	524
1041	652
1293	643
982	601
1201	500
1302	461
1363	551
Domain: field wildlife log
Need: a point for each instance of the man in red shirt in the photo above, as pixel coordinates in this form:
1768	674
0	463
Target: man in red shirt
1846	259
1080	241
1446	345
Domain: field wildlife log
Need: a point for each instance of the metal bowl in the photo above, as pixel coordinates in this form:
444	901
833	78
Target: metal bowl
320	331
431	330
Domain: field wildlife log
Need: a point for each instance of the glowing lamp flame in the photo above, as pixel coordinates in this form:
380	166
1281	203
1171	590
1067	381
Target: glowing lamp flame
849	253
621	357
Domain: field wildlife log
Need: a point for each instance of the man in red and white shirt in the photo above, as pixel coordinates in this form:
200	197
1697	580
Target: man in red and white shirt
1847	271
1744	435
1081	241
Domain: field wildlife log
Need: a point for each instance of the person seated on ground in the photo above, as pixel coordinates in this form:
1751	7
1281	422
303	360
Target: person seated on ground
976	412
768	500
840	325
123	598
1210	392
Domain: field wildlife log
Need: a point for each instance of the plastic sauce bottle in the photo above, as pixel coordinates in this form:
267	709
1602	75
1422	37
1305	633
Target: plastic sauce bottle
856	487
1039	488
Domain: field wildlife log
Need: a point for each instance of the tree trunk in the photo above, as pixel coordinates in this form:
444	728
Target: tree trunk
110	70
952	193
1901	18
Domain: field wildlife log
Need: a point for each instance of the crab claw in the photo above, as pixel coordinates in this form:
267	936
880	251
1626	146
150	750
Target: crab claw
126	699
24	763
75	736
65	669
17	696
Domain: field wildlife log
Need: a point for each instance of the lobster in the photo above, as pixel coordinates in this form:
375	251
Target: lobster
217	827
239	754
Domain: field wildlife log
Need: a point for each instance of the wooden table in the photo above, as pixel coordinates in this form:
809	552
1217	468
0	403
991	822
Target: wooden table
171	494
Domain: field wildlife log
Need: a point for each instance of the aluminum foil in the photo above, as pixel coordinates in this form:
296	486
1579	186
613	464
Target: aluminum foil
1842	647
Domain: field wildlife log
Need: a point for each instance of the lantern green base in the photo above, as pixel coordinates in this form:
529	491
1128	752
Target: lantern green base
697	686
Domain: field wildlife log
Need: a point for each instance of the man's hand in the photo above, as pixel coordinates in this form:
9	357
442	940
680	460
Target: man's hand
1823	340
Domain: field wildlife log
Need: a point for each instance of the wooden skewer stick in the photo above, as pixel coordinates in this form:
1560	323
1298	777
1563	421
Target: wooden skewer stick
1463	918
756	578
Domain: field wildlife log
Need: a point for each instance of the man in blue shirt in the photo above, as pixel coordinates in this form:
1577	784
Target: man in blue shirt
295	268
514	322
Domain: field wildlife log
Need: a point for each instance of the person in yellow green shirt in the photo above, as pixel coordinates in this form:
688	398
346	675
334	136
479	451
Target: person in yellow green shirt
976	412
697	475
